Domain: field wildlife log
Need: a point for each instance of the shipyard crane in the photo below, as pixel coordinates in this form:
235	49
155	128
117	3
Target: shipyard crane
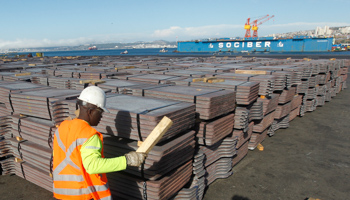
247	27
255	25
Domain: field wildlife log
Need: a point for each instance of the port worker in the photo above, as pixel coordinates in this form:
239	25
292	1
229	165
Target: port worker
79	166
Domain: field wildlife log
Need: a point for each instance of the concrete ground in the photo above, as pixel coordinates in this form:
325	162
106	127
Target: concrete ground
311	158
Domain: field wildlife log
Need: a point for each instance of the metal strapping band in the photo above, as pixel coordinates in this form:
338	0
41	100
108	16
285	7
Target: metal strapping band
19	127
195	96
19	150
50	138
143	171
24	175
48	107
51	165
145	112
145	190
11	102
197	192
204	134
138	127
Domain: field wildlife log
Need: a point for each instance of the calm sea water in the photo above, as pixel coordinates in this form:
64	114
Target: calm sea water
156	52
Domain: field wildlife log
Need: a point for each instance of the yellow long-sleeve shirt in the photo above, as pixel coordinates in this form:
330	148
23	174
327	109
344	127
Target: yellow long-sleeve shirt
94	163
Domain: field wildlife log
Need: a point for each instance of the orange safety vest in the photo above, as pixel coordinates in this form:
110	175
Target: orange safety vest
70	180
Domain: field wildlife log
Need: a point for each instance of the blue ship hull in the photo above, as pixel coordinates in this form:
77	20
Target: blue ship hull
262	44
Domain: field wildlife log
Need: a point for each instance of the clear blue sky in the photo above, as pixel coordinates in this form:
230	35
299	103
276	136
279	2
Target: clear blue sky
42	23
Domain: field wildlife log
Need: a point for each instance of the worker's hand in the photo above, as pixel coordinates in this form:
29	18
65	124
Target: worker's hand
135	159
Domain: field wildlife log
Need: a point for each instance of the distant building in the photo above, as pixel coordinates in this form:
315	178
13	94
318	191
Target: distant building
323	31
344	30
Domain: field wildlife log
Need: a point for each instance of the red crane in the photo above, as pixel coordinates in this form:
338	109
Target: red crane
255	25
247	27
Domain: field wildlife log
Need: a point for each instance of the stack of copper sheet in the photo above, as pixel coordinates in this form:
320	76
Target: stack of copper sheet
18	86
246	92
188	73
256	139
13	77
152	78
195	188
58	82
260	126
90	75
311	105
296	101
284	77
297	74
210	132
124	186
5	126
194	191
241	153
36	165
323	78
294	113
256	111
287	95
267	83
322	90
277	124
65	73
303	87
282	110
269	103
234	76
212	69
328	95
135	117
243	136
162	159
7	165
4	74
74	84
225	148
4	111
5	148
210	103
41	79
140	70
39	103
246	114
221	168
129	87
311	93
241	118
38	130
120	86
312	81
218	163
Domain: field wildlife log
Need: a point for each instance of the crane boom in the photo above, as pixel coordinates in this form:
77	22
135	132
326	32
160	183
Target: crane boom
255	25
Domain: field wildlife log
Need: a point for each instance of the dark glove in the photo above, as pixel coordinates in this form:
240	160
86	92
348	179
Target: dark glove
135	159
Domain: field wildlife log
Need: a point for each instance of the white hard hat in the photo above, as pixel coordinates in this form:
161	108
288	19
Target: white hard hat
95	96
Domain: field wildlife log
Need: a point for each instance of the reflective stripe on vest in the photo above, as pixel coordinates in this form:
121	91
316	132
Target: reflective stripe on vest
107	198
76	178
67	160
68	191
